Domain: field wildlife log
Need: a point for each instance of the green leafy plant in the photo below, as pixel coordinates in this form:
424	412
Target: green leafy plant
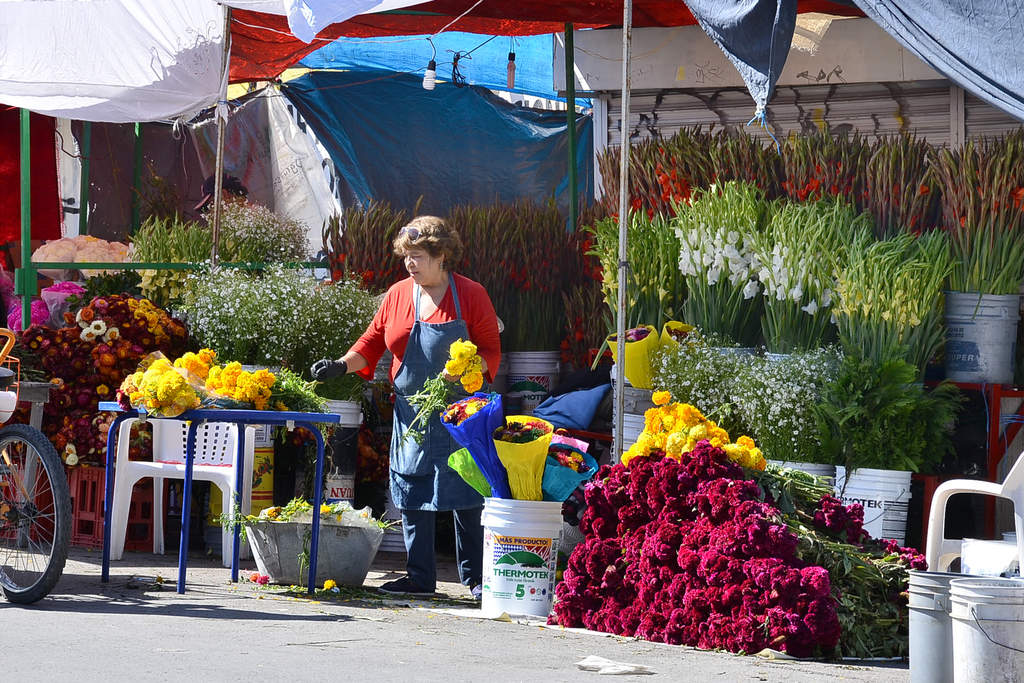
716	233
877	415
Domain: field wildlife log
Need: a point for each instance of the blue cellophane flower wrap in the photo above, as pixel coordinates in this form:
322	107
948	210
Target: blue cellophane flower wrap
475	435
560	481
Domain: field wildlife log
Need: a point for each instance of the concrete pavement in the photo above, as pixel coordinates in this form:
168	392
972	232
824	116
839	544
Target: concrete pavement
138	629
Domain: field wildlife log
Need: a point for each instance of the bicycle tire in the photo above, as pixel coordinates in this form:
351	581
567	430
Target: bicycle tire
35	528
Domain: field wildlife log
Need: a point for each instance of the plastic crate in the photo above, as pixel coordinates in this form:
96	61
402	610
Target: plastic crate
87	485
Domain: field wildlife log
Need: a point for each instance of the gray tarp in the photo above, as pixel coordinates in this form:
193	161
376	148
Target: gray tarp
974	43
754	35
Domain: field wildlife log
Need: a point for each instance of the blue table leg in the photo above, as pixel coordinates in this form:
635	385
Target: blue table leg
186	504
108	491
239	496
318	498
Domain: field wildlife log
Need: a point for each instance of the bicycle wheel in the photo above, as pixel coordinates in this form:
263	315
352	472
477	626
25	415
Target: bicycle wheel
35	514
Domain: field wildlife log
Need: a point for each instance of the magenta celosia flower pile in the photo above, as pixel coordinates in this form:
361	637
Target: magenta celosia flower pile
686	552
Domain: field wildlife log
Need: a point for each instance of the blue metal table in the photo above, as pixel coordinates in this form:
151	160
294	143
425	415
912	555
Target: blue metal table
241	418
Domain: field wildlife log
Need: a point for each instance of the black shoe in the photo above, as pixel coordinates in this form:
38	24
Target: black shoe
404	586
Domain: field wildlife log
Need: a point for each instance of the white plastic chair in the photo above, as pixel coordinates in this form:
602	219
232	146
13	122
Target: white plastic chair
941	551
215	461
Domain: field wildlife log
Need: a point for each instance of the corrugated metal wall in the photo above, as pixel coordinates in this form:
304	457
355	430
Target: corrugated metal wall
873	109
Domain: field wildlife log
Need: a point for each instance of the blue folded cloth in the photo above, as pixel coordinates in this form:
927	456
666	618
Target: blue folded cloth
573	410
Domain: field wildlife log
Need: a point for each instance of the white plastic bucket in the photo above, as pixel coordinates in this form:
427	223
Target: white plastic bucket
988	629
815	469
531	375
520	552
350	412
885	495
981	335
931	634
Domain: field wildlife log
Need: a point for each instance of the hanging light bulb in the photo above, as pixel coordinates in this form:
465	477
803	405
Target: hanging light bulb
511	70
430	76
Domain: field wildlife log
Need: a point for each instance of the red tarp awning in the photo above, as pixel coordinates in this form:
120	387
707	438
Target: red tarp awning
262	46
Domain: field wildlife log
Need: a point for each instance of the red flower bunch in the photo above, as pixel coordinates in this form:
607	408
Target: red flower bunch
686	552
91	355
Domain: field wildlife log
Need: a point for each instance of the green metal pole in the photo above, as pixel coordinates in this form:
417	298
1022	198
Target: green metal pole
570	102
137	179
83	191
26	283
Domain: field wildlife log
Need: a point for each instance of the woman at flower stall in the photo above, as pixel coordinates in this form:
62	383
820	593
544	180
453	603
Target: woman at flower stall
418	321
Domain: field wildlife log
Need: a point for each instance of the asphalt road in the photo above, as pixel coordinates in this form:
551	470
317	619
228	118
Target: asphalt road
137	628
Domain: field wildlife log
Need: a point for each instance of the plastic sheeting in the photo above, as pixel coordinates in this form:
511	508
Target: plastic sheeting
115	60
754	34
392	140
275	159
486	64
975	44
306	18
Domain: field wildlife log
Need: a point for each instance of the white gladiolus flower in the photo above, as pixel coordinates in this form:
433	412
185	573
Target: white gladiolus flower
796	294
750	289
810	308
713	275
732	253
826	297
732	238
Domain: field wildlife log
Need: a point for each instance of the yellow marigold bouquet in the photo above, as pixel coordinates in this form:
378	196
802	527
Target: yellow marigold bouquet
671	429
159	388
168	389
198	364
464	367
234	383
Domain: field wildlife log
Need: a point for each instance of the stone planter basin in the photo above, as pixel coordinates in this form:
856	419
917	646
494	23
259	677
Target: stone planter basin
345	552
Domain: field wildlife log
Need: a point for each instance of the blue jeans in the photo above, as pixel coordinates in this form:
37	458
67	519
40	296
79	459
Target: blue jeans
418	528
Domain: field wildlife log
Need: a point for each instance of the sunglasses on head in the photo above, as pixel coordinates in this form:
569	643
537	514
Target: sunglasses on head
413	233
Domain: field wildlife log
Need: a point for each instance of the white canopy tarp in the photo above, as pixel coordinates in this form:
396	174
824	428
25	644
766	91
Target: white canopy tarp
306	18
111	60
134	60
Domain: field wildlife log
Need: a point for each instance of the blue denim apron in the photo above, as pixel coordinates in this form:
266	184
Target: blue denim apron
420	476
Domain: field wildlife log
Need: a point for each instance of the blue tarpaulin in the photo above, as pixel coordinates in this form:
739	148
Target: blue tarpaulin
486	64
392	140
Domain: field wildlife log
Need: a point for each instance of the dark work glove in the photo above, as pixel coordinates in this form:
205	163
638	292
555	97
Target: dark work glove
325	369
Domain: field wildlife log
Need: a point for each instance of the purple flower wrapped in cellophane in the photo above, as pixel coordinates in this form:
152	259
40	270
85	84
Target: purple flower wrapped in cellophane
474	433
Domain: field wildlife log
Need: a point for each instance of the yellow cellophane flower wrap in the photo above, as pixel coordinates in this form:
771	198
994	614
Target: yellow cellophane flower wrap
667	340
638	358
674	429
524	462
